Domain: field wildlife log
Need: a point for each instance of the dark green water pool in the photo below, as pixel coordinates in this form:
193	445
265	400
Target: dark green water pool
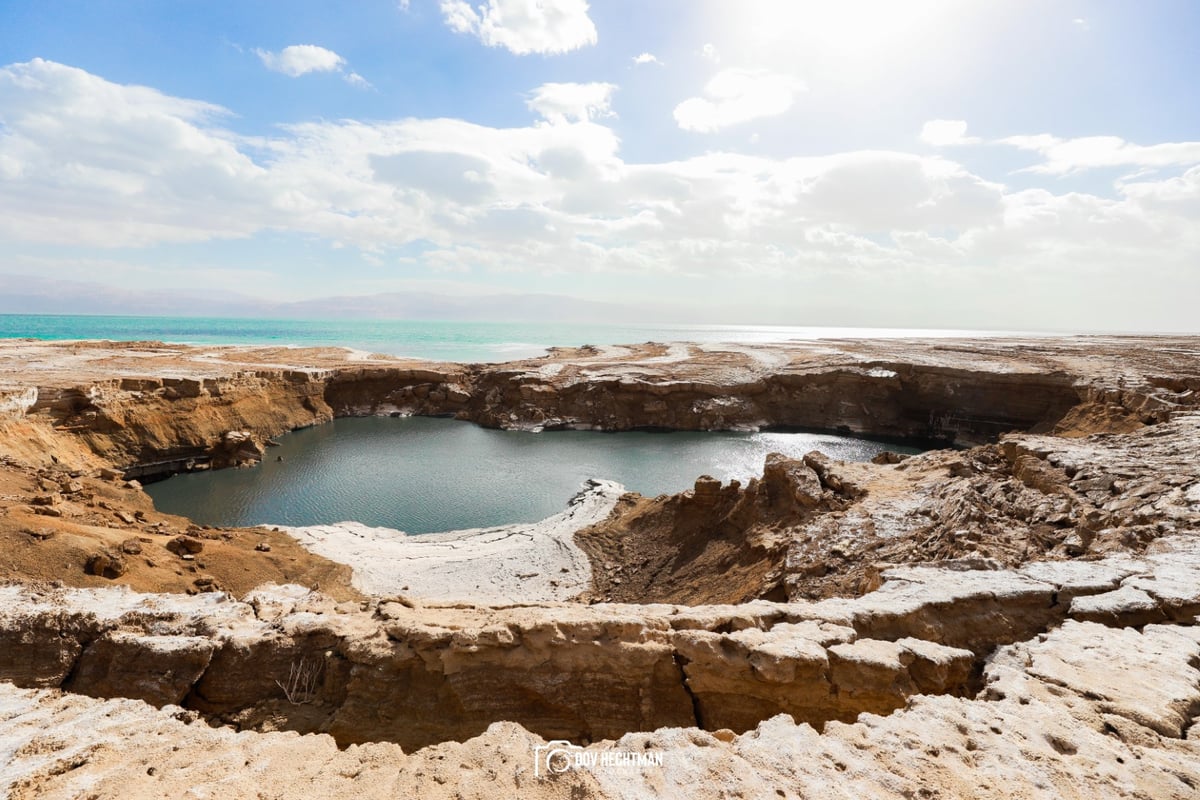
420	475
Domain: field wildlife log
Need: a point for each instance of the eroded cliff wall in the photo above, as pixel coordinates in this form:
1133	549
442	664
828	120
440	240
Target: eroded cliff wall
155	409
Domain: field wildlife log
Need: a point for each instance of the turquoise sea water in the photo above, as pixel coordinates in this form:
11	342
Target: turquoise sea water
439	341
421	475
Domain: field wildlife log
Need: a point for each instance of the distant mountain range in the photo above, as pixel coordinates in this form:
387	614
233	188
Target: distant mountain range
29	294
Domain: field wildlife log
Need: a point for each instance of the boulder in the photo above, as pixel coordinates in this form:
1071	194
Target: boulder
185	545
107	563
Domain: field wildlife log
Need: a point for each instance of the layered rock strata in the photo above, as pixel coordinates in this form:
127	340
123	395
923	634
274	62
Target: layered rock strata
1084	711
1079	711
150	406
415	674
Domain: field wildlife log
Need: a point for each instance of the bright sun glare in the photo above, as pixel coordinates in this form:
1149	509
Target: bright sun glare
852	31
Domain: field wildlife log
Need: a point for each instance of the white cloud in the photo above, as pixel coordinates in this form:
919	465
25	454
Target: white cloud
1081	23
646	58
119	165
946	133
709	51
1179	195
1064	156
524	26
906	192
87	162
301	59
578	102
737	95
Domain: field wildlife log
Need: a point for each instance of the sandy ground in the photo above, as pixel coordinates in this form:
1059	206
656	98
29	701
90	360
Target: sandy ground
534	562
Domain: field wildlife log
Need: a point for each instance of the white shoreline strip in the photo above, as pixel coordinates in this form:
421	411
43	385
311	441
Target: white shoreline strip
521	563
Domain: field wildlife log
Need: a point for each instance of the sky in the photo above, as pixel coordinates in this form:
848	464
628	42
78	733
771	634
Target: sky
1026	164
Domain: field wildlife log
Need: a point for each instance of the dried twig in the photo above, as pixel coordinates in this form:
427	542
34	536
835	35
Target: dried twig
301	685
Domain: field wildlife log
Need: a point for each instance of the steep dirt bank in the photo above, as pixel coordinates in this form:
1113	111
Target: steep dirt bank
151	409
60	525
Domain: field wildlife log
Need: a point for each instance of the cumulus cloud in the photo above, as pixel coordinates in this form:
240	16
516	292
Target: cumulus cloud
89	162
906	192
946	133
119	165
1064	156
301	59
524	26
1179	195
577	102
737	95
646	58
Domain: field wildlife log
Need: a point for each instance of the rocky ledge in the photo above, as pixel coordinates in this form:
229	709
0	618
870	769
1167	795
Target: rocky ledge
1065	715
151	408
952	683
1015	617
392	669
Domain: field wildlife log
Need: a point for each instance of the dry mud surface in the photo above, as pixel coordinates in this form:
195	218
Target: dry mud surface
1014	617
